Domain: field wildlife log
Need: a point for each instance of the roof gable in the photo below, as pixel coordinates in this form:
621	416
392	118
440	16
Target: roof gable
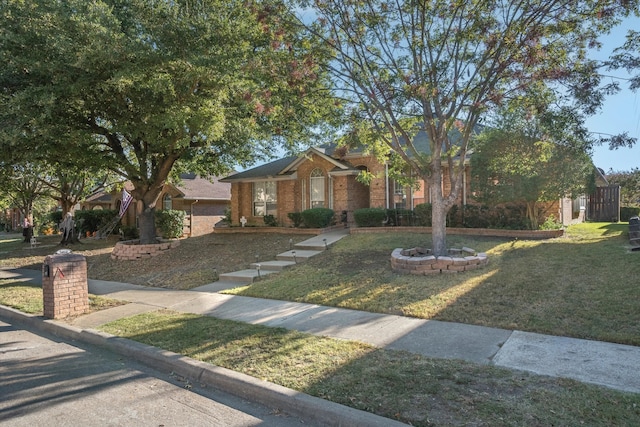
194	187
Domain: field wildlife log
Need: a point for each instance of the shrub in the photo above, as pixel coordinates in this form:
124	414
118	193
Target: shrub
170	223
227	216
550	224
628	212
454	217
129	232
422	213
296	218
318	217
270	221
93	220
369	217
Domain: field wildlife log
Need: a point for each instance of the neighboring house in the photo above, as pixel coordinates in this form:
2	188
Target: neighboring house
12	219
204	201
326	177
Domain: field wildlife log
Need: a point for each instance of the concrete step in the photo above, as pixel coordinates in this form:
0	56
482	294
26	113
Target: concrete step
312	246
272	265
296	255
245	276
323	241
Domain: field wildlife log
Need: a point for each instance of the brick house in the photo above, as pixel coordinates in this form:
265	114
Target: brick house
320	177
325	176
204	201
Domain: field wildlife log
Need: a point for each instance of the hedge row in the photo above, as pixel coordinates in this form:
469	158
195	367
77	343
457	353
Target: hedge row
628	212
469	216
313	218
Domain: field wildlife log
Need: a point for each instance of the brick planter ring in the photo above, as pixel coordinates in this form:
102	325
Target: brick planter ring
419	261
132	250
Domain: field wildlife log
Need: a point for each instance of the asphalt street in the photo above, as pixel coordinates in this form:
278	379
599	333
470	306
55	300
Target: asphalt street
47	381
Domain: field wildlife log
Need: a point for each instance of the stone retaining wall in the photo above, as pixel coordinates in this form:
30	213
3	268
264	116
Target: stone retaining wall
132	250
419	261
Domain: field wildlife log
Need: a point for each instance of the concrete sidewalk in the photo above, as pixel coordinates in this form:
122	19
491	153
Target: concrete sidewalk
606	364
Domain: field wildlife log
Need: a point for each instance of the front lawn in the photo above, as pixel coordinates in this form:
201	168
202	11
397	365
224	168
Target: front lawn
583	285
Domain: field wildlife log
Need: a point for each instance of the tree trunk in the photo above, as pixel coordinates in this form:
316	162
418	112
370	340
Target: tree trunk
438	220
532	215
147	225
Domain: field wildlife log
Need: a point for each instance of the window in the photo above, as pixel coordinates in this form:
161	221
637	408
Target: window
166	202
317	188
399	196
265	198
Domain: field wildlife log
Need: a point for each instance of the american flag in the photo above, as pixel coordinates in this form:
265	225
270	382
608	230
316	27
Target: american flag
126	201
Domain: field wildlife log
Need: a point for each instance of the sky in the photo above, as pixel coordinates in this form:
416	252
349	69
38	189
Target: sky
620	112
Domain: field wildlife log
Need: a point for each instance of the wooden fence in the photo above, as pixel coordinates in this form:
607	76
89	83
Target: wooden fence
604	204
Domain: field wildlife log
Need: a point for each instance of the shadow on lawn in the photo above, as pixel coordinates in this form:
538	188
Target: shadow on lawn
567	288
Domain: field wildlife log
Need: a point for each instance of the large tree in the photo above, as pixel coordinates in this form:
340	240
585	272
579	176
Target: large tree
629	182
140	86
519	160
22	185
439	66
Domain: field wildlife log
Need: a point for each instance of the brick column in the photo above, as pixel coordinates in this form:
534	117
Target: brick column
65	289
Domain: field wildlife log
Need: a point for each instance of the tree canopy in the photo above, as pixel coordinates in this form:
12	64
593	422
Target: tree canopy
440	66
629	182
520	161
137	87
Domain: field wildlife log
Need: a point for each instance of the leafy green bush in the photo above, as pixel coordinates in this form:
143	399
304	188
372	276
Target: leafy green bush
130	232
369	217
318	217
270	221
454	217
510	217
628	212
296	218
227	216
93	220
170	223
550	224
422	213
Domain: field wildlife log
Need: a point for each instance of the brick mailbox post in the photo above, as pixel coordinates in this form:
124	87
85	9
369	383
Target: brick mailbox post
64	285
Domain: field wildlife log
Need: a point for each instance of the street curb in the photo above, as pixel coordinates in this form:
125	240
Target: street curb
247	387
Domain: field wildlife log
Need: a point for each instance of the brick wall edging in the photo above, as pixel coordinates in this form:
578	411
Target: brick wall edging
420	262
131	250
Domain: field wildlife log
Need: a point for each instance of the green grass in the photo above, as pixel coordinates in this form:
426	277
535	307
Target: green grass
394	384
583	285
28	298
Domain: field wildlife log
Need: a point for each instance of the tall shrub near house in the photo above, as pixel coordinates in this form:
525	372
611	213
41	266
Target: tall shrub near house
318	217
369	217
170	223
